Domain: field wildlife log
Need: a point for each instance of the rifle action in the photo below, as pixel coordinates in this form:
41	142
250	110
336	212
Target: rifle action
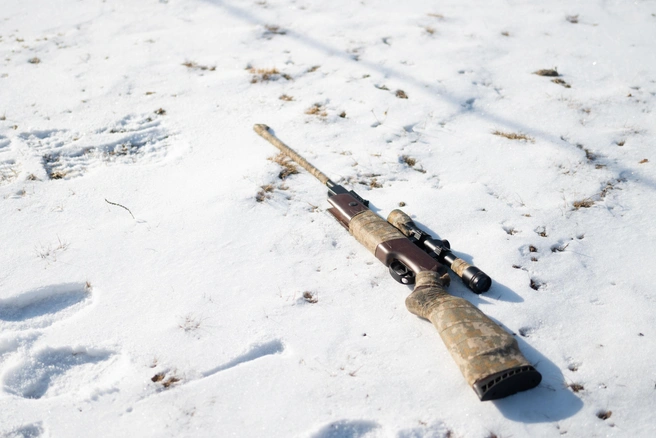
488	356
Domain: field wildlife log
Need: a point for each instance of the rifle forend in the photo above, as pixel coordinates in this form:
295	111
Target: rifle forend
488	356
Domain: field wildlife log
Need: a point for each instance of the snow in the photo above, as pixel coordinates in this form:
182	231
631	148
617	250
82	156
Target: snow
145	291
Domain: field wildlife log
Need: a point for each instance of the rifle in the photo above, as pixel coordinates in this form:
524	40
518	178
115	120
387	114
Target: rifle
488	356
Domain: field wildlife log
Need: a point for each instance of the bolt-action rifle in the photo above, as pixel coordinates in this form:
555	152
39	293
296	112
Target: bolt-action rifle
488	356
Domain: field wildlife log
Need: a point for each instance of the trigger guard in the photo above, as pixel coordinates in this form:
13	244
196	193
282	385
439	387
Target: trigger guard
401	273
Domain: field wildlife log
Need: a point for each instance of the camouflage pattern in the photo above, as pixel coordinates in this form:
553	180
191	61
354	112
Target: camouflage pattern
263	131
459	266
371	230
398	218
479	346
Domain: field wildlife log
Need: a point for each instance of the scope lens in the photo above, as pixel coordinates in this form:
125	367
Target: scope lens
480	282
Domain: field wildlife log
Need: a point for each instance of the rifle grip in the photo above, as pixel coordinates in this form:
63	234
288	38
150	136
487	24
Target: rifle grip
488	356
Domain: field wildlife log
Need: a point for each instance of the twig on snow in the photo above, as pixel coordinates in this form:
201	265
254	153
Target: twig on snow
122	206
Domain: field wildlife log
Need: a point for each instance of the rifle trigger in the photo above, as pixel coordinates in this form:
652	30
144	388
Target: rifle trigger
401	273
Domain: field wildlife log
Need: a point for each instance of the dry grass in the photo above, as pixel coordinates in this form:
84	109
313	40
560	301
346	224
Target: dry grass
408	160
159	378
604	415
372	182
550	72
589	155
288	166
286	98
50	252
514	136
195	66
264	193
266	75
317	110
561	82
57	174
401	94
559	248
576	387
272	29
584	203
310	298
34	60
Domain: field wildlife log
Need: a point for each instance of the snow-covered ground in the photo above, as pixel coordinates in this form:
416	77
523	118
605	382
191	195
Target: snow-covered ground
158	278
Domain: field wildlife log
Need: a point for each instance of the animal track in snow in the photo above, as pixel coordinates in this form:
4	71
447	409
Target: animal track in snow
43	306
255	352
65	154
55	371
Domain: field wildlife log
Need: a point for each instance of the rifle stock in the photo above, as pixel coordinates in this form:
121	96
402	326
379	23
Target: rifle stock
487	355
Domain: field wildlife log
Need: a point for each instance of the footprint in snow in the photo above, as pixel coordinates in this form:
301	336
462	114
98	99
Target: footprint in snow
65	154
347	429
44	306
9	171
34	430
55	371
11	344
4	143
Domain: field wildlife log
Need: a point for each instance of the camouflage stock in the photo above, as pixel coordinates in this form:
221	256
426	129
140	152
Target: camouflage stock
488	356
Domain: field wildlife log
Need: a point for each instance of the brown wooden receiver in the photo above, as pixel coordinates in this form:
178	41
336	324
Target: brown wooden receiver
381	238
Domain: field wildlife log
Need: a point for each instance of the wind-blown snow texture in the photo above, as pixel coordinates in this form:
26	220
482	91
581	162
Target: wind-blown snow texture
159	278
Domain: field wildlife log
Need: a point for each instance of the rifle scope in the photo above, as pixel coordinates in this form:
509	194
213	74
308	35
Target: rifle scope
475	279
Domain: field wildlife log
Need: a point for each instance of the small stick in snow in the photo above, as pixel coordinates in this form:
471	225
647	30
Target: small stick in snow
122	206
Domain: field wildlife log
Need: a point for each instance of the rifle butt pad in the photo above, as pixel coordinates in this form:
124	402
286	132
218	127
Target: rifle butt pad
488	356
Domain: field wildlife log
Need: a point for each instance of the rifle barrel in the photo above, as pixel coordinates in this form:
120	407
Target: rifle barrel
264	132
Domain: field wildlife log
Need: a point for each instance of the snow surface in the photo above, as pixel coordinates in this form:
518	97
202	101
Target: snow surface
154	265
